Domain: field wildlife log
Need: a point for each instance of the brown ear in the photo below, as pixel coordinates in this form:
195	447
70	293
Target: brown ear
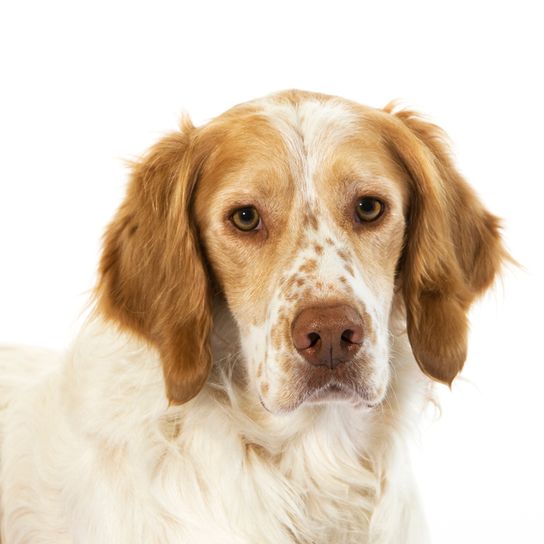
152	279
452	249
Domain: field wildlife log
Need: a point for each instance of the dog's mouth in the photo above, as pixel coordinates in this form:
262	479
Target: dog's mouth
325	386
337	392
331	392
351	384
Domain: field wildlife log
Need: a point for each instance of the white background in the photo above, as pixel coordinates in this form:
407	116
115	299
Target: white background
87	85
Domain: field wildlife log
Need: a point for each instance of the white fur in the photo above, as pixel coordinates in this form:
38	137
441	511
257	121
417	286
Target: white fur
309	129
91	452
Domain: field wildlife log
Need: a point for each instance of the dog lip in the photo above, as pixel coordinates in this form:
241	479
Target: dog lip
332	391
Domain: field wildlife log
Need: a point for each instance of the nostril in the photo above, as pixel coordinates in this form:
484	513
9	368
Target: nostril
352	336
314	339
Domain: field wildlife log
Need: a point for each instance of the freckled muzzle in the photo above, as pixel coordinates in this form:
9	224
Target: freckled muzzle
328	335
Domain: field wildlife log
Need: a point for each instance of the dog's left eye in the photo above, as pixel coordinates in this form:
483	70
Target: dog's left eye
369	209
246	219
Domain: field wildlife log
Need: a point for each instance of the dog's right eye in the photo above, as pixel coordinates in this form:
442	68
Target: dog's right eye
246	219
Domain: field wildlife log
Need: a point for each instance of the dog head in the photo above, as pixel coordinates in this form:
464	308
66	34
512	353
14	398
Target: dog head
312	216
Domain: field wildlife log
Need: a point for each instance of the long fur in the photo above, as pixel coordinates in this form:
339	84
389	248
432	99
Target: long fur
107	460
157	425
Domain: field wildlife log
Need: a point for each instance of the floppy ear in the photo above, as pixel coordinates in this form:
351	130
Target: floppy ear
452	248
152	278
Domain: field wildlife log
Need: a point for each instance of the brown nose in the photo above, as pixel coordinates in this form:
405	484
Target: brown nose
328	335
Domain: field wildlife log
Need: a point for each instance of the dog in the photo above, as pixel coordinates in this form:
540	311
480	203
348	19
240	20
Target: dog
276	296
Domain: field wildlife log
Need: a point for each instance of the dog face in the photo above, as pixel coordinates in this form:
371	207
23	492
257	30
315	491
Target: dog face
301	213
311	214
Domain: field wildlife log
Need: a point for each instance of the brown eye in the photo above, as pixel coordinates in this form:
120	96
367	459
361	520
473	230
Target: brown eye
246	219
369	209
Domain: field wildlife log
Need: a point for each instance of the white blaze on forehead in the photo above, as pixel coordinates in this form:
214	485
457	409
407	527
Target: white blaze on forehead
310	128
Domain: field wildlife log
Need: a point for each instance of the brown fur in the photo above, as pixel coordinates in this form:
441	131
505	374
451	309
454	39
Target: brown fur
152	277
452	249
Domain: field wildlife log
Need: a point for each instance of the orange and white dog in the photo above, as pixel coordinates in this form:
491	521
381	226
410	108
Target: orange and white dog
276	295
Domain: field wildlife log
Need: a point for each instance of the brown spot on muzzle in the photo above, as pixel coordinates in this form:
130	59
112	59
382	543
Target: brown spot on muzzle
308	266
344	255
349	270
280	333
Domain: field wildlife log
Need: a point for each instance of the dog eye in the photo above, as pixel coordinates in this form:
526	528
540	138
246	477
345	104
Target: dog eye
246	219
369	209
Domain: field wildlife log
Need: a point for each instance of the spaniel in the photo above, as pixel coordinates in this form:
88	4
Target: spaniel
276	295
